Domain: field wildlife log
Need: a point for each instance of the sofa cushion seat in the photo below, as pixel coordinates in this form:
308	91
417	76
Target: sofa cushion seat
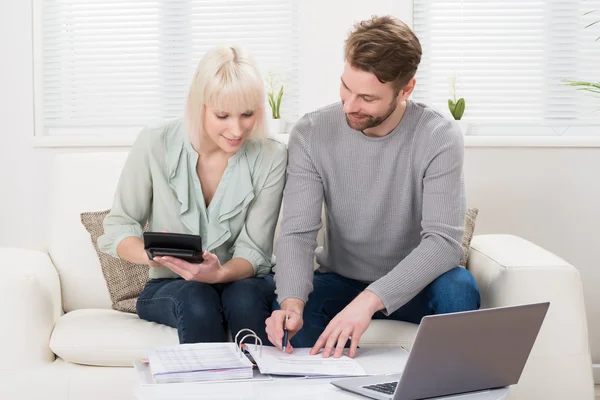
113	338
108	338
387	333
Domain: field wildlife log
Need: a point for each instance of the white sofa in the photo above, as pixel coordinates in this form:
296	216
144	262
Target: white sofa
61	340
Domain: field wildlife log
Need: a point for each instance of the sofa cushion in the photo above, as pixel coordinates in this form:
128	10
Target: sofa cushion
388	333
112	338
107	337
124	280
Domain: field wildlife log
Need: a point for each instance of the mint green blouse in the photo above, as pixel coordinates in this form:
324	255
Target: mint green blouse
159	184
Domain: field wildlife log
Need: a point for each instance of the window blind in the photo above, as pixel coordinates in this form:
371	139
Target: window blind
112	64
511	58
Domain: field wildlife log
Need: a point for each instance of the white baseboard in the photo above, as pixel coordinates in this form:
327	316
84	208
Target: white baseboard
596	370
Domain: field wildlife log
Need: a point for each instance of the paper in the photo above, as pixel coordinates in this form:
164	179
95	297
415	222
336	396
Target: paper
300	362
197	362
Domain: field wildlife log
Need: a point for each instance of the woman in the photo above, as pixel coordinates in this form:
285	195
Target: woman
214	174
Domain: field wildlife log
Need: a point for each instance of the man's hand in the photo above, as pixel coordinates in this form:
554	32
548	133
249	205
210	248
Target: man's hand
293	308
208	271
350	323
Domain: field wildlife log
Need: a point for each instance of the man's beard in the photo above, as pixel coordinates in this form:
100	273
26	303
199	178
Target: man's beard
369	120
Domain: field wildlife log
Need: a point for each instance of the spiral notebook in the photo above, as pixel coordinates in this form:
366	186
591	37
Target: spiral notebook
198	362
204	362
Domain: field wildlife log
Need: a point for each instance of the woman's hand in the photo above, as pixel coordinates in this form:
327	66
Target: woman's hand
208	271
150	262
146	257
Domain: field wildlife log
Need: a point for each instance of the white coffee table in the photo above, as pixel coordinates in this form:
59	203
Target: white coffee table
374	361
312	389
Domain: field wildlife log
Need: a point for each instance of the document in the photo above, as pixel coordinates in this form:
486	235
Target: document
301	363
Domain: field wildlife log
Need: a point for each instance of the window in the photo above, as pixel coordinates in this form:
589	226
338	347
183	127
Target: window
512	60
110	67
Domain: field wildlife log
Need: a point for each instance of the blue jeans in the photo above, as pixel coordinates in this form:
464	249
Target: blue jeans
454	291
201	312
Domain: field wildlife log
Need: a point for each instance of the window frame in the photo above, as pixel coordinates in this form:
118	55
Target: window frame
73	137
544	133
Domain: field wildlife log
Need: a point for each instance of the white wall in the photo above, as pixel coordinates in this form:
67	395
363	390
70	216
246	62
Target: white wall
19	164
324	27
550	196
547	195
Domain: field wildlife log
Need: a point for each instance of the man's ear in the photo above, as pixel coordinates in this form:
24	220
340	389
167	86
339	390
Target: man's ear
407	90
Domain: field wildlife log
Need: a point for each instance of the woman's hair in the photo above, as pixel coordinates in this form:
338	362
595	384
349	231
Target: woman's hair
227	79
385	47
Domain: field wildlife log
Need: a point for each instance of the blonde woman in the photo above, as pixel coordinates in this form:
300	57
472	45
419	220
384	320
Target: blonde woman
214	174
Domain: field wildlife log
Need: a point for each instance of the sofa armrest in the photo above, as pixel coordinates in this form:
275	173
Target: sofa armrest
30	303
510	270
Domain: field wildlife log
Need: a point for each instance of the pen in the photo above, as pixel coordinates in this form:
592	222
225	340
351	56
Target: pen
285	335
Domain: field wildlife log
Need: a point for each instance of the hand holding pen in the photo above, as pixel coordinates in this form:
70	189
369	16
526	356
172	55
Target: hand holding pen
283	324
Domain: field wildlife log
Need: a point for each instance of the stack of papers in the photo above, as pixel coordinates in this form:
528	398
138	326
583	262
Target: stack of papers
198	362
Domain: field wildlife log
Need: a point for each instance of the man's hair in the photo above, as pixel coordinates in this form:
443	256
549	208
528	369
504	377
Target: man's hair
386	47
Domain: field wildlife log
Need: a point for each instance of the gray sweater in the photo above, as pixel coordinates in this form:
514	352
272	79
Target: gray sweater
395	205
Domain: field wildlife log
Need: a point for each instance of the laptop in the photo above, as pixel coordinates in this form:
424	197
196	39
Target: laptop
460	353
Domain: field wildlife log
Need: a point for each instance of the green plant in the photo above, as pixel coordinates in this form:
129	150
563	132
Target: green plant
592	87
273	95
457	108
593	23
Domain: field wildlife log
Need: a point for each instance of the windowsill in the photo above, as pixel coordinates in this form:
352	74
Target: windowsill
81	141
470	141
532	141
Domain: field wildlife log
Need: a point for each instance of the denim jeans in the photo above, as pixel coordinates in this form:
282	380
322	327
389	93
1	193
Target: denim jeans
202	312
454	291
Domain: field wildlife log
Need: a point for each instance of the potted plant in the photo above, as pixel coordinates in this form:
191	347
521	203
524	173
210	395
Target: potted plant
457	108
592	87
274	95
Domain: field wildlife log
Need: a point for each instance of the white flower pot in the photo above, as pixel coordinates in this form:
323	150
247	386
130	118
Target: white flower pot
275	126
463	126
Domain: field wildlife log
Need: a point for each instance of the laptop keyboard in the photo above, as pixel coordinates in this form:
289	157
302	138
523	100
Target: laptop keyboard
387	388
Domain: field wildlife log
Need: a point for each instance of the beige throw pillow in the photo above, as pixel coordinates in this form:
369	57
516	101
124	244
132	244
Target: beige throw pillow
124	280
470	218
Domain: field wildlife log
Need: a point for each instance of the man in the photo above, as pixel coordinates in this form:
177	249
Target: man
390	173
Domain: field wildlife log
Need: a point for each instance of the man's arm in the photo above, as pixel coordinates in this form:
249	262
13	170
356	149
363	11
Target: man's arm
444	206
301	220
